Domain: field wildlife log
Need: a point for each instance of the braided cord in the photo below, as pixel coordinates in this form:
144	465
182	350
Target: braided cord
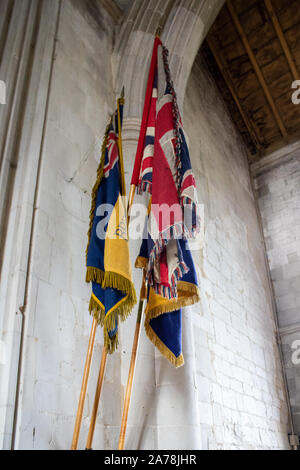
176	118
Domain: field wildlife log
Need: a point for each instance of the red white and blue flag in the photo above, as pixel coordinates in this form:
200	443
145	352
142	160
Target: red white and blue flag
163	169
145	177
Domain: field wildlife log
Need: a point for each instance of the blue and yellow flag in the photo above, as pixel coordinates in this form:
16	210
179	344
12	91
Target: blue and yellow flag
108	262
163	316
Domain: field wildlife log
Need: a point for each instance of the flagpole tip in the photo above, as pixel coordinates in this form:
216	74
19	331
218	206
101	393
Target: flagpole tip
123	92
158	31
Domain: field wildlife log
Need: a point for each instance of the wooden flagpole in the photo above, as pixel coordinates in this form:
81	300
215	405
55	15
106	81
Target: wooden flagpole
85	379
89	442
131	376
134	347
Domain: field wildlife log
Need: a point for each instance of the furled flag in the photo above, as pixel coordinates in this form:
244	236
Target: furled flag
108	262
163	168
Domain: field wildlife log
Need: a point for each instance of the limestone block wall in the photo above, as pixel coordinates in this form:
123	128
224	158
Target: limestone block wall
80	103
278	189
239	380
230	392
27	46
48	223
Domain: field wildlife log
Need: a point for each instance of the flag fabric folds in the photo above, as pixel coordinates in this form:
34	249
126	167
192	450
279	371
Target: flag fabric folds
166	173
163	169
163	316
108	262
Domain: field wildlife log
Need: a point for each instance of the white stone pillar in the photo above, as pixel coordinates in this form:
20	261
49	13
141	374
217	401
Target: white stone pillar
26	69
172	420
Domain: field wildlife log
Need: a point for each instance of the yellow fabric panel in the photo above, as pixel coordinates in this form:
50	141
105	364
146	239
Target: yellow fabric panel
188	294
116	255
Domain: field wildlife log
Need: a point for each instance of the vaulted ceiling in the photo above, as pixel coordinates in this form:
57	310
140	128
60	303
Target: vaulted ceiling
123	4
253	51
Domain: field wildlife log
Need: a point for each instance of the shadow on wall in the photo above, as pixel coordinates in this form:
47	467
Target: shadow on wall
91	12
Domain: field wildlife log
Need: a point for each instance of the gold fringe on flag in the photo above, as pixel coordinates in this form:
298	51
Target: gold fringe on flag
120	310
108	279
176	361
188	294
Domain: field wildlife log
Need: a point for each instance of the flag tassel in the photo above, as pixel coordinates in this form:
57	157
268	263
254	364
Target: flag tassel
175	361
111	279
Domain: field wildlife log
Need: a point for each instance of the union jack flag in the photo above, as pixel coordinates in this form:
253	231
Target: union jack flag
145	179
163	169
112	154
166	173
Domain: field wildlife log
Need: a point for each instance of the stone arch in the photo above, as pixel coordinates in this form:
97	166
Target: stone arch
185	24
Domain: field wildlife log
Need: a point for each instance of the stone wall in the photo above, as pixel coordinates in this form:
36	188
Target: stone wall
230	392
278	188
80	102
27	45
56	320
239	379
